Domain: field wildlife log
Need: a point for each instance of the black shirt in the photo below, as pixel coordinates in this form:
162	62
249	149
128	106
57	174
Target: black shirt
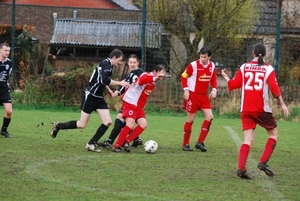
130	78
100	78
5	70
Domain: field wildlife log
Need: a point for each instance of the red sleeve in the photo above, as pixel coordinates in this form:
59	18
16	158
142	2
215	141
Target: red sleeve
273	85
145	78
187	73
236	82
213	81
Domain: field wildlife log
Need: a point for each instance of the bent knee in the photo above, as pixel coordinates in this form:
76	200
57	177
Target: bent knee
144	125
81	125
108	124
8	114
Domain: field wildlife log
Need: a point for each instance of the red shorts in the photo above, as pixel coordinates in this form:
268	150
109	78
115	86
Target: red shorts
196	102
132	111
264	119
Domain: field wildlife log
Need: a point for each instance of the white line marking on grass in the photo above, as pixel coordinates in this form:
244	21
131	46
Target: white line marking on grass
34	170
263	180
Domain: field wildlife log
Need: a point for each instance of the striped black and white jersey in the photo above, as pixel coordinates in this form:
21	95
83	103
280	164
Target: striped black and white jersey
130	78
100	77
5	70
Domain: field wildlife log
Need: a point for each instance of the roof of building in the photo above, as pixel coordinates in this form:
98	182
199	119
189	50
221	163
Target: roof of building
125	4
100	4
85	32
268	18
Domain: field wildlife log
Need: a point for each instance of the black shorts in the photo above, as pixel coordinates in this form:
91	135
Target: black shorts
91	103
5	95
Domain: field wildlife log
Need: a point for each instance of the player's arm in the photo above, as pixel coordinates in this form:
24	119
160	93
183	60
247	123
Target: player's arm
214	84
110	92
273	85
234	83
283	106
276	92
184	76
104	71
105	76
145	79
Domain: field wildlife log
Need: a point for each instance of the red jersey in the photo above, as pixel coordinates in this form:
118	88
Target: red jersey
255	80
197	77
138	92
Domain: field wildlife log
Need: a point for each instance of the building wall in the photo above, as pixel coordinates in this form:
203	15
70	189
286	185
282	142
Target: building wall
290	14
41	17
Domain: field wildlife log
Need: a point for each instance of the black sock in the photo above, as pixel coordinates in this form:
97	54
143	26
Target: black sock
67	125
5	124
99	133
115	131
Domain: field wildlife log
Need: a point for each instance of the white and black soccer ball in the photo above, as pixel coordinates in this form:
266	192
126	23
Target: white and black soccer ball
150	146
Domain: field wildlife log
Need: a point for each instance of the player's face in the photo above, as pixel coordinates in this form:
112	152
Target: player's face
160	75
204	59
116	61
4	52
132	63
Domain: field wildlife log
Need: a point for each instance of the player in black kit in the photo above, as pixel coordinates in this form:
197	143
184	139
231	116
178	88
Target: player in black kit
93	100
5	99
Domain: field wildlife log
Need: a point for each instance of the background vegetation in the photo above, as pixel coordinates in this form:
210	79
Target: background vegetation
38	82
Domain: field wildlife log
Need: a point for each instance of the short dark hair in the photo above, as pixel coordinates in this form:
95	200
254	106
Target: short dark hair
205	50
116	53
260	52
4	44
159	67
133	56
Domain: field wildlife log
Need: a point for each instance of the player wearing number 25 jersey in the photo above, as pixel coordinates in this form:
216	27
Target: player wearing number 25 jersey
256	78
255	81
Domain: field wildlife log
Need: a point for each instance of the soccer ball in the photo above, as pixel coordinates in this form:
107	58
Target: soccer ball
150	146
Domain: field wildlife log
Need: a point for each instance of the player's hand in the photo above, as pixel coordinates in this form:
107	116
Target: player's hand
186	95
213	94
124	83
110	92
224	73
286	111
115	94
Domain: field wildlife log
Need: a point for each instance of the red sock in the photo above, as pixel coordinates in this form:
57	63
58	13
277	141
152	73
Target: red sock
243	156
187	129
204	131
269	148
122	136
134	133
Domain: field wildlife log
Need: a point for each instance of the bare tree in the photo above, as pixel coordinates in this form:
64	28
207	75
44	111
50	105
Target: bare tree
214	22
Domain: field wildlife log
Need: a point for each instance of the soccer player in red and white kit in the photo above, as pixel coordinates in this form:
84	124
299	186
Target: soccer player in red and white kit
255	78
195	81
134	101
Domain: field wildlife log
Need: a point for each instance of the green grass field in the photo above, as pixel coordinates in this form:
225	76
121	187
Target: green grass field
36	167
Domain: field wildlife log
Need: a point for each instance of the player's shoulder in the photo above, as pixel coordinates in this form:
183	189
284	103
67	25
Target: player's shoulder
104	63
139	71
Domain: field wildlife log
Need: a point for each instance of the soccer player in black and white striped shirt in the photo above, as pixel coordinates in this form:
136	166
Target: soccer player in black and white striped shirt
93	100
5	98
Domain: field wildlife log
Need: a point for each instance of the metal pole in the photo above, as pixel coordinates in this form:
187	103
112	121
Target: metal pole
278	36
143	36
12	50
